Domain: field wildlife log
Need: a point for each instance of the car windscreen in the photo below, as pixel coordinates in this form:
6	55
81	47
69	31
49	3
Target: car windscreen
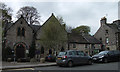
62	54
103	53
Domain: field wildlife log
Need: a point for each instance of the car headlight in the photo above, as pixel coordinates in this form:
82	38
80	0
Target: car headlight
64	60
101	56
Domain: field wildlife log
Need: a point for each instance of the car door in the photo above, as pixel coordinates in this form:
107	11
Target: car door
73	57
81	57
85	58
116	55
111	56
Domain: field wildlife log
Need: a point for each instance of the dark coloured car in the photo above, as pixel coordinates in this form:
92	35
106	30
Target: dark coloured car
73	57
107	56
50	58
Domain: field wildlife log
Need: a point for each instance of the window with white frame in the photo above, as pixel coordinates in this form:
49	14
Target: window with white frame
107	40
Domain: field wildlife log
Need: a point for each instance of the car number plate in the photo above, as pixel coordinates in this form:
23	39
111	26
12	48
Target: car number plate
94	58
59	58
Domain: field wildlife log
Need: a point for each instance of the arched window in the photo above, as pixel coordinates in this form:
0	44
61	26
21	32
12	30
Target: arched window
18	31
23	32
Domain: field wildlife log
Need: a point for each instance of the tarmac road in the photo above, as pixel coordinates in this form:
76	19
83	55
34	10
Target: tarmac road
110	67
96	66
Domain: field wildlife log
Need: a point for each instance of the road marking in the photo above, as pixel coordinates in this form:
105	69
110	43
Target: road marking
23	69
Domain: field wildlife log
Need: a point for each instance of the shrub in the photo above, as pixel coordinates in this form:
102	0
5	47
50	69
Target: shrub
33	60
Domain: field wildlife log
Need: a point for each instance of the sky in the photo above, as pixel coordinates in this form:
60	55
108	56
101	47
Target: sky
73	13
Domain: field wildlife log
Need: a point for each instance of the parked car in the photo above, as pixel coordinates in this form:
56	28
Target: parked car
107	56
50	58
73	57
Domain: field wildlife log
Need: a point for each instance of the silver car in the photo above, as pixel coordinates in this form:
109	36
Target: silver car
73	57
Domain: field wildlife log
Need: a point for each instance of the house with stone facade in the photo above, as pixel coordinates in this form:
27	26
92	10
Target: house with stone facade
109	34
85	43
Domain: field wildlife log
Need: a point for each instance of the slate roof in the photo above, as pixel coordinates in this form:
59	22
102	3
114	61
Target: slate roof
115	25
76	38
36	27
82	39
91	39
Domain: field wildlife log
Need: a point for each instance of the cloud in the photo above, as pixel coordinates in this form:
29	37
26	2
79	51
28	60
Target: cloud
74	13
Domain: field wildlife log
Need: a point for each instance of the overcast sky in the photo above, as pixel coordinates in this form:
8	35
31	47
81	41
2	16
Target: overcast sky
74	13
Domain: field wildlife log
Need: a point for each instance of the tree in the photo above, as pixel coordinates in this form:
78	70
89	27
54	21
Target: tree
69	29
5	18
52	34
6	13
30	14
32	50
66	27
32	47
61	21
8	52
81	29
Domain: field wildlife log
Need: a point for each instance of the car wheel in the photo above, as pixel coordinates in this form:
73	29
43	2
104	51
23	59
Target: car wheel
105	60
118	59
70	63
90	62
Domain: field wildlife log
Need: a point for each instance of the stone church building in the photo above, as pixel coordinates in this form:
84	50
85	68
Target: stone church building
19	37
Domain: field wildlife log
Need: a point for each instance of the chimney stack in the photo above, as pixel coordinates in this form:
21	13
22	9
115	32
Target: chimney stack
103	21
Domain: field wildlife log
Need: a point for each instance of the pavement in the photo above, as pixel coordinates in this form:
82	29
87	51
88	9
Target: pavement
16	65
